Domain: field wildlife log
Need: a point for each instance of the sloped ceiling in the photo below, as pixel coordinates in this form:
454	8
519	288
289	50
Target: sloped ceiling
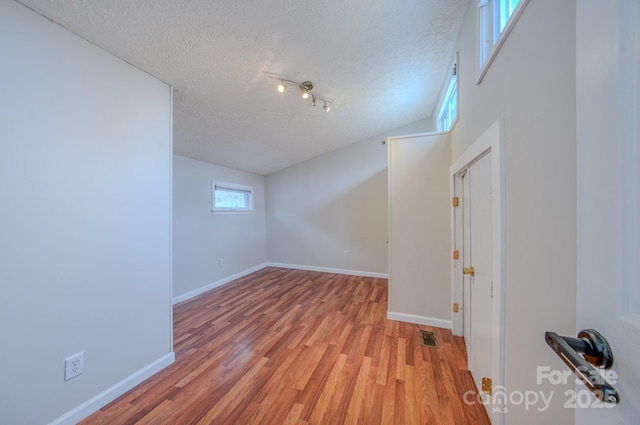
381	61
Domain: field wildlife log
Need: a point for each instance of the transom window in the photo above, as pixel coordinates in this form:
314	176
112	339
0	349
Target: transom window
230	197
496	19
449	106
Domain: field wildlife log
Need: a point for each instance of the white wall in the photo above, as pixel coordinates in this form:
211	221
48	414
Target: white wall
335	202
85	186
419	231
201	238
532	85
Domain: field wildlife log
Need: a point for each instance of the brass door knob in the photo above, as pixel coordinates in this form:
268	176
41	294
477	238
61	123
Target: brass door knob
469	270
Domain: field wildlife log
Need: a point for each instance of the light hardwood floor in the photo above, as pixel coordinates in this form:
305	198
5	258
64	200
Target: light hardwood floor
286	346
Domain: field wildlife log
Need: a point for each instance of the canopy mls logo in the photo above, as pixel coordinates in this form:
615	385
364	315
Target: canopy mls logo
502	399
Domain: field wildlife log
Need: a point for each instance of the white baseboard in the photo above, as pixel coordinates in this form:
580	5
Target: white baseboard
329	270
203	289
82	411
220	282
419	320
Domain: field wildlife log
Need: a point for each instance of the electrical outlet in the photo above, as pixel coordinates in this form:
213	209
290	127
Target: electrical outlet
220	262
346	253
73	366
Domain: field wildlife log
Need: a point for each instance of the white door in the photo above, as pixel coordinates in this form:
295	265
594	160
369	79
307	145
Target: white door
477	263
608	185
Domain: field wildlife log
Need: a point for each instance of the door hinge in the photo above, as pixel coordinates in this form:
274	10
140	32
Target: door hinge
487	385
456	254
456	307
492	289
456	201
469	270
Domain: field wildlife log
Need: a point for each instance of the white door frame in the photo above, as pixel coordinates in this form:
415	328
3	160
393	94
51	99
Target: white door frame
492	140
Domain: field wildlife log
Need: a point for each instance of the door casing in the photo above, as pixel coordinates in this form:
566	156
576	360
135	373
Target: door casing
492	140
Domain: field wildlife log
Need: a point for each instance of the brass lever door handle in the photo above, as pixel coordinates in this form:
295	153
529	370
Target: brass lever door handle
469	270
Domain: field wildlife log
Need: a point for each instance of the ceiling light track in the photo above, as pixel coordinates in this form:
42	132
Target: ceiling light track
306	88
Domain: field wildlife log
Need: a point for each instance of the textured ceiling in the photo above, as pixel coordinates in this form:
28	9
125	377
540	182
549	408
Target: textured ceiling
381	61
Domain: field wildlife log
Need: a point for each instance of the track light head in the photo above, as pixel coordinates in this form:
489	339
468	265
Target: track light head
305	88
326	107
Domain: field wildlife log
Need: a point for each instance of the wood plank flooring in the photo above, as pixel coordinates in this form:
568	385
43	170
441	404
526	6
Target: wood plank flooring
293	347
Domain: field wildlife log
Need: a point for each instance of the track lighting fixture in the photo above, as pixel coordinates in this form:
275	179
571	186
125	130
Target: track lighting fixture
306	88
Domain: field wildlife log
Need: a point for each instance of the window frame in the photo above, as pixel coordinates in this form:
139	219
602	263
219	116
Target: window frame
219	185
493	31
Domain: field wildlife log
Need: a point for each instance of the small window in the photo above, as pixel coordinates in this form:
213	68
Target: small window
449	106
228	197
507	8
496	19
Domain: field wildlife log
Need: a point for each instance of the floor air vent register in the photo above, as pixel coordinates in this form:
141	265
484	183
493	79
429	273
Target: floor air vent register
428	339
